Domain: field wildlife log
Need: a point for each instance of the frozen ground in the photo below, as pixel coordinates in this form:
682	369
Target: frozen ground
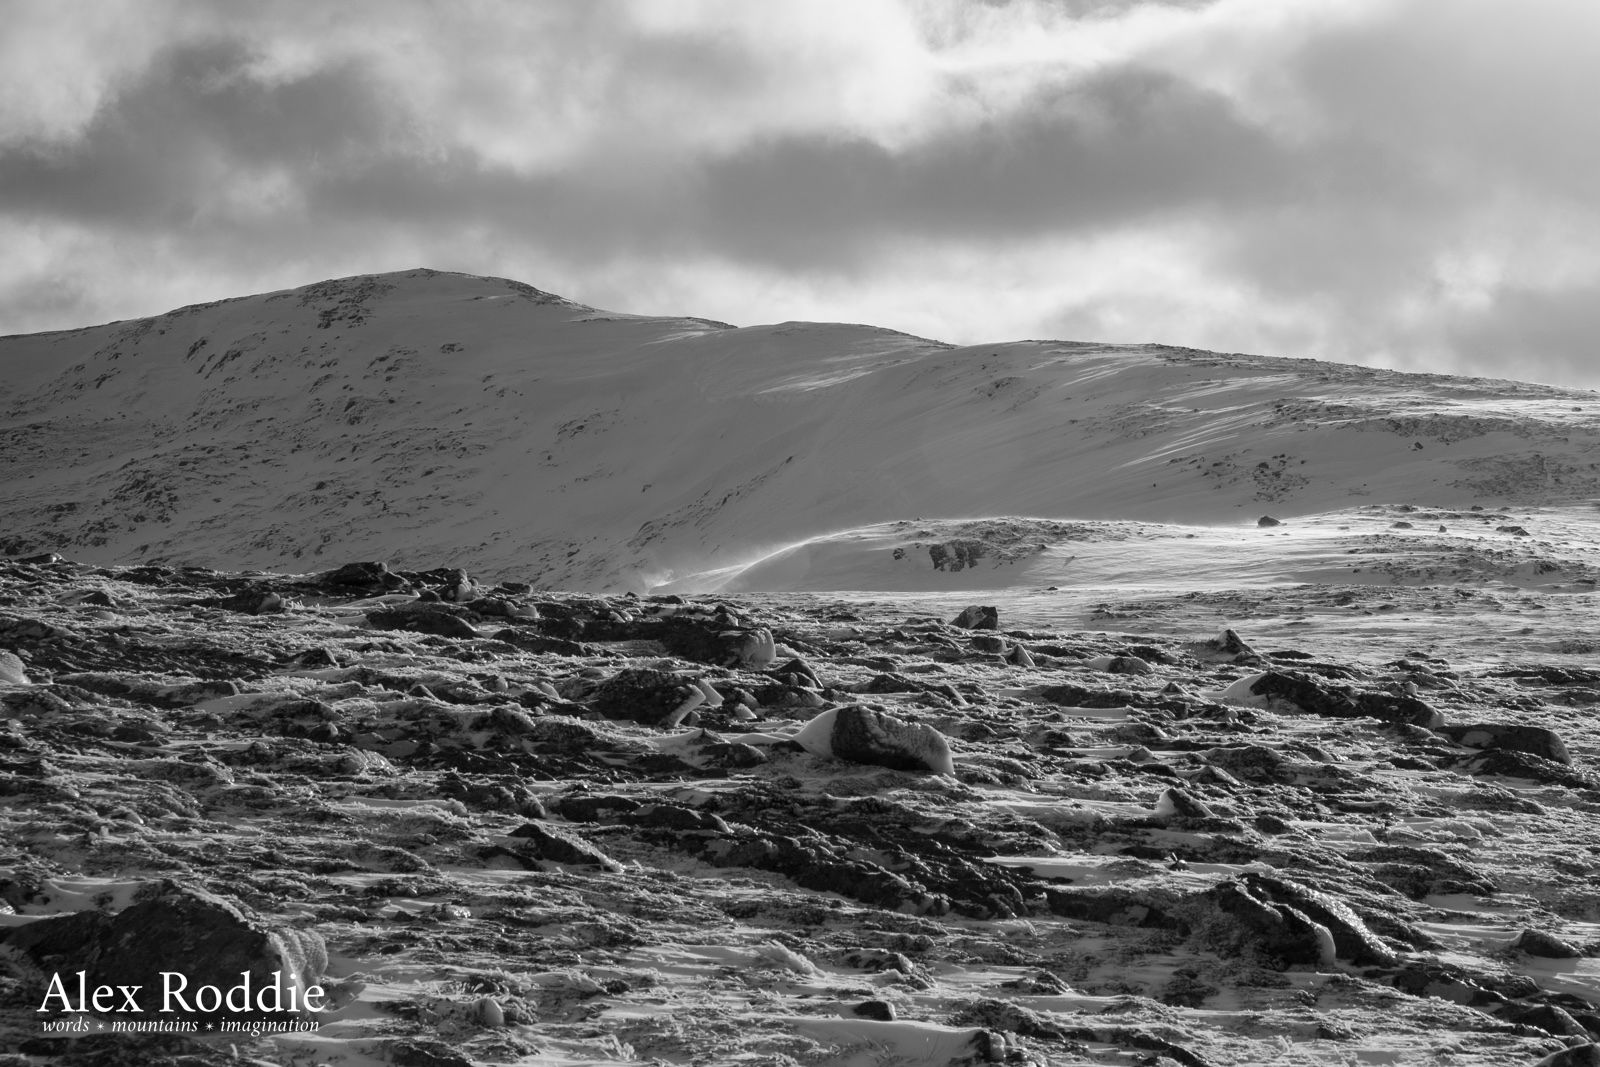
566	830
1218	791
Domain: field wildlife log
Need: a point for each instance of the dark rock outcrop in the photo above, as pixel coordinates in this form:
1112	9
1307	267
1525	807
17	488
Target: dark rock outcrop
978	617
1511	737
643	695
205	939
422	618
862	734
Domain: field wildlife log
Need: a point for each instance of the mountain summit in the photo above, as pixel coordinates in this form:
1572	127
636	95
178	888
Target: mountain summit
426	417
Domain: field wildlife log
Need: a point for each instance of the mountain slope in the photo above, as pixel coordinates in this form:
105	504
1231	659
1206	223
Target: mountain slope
432	418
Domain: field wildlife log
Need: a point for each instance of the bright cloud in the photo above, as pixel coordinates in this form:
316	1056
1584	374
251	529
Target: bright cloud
1394	182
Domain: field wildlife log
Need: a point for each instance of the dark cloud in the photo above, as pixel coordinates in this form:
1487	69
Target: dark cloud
1314	180
1119	150
198	122
62	298
1554	333
1116	151
1485	95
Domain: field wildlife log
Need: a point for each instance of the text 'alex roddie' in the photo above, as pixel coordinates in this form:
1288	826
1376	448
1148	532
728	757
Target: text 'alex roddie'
278	996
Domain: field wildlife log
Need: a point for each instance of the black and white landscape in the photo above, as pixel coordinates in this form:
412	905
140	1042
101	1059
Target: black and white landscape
659	601
558	686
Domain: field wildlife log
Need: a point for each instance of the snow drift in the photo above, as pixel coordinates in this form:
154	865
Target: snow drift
425	417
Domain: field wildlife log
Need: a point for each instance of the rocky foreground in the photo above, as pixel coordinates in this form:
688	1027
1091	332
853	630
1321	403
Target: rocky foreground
500	826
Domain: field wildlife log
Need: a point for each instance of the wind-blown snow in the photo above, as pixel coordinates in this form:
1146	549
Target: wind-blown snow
430	418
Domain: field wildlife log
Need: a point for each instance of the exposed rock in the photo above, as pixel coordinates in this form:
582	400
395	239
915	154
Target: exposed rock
148	691
1288	922
1276	931
313	659
1111	905
1514	737
978	617
797	672
1020	657
213	940
881	1010
11	669
369	578
1299	692
1227	645
585	808
990	643
1545	945
367	785
1176	803
23	631
422	619
1418	870
1578	1056
539	643
711	642
1514	764
248	602
415	1052
734	755
647	696
1251	763
548	843
1079	696
1550	1018
862	734
1120	665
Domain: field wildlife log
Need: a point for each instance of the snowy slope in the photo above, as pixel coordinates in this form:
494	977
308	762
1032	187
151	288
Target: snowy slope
430	418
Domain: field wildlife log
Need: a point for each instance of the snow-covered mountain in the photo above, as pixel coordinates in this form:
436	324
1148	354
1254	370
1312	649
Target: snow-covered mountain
430	418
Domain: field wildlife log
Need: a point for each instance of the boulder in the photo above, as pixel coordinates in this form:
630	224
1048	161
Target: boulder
992	644
180	939
557	846
1112	905
1176	803
797	672
1550	1018
1513	737
1227	645
370	579
1510	763
11	669
422	619
647	696
881	1010
1545	945
1288	922
1577	1056
978	617
713	642
1296	691
1120	665
862	734
254	602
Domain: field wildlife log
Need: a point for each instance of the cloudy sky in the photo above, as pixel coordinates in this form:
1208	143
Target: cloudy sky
1404	183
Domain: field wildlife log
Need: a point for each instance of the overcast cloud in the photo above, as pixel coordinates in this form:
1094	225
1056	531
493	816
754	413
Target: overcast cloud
1406	183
